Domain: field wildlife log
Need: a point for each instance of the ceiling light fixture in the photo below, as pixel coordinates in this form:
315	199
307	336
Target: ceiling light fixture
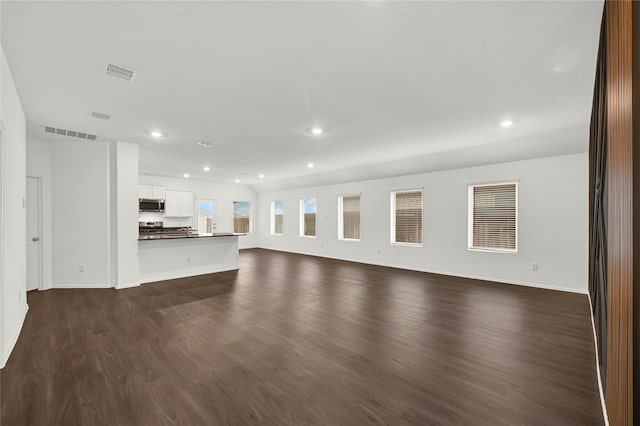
205	144
186	175
317	131
156	134
506	123
261	176
237	180
311	165
206	168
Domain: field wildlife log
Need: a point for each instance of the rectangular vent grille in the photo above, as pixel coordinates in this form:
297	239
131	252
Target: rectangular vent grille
120	72
70	133
100	116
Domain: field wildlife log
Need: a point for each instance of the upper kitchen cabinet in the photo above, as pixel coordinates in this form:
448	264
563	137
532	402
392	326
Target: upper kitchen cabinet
178	204
151	191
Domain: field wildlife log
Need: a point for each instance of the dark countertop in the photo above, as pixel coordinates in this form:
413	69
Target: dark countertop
183	236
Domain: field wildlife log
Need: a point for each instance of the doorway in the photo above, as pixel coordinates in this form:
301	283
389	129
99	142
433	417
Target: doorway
34	232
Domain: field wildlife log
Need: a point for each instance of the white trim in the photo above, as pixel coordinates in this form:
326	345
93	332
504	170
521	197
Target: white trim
233	214
38	181
470	213
341	217
392	217
301	217
440	272
7	353
107	285
129	285
595	345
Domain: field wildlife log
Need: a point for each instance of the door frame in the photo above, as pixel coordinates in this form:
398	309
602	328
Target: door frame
38	181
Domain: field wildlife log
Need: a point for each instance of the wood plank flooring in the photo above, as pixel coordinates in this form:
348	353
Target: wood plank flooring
291	339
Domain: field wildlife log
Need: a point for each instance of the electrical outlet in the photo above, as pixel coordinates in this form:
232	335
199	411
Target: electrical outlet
322	245
188	260
379	251
534	266
80	268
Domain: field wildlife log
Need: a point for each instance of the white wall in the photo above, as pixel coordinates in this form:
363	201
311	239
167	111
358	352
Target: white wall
80	214
223	194
126	207
14	262
553	223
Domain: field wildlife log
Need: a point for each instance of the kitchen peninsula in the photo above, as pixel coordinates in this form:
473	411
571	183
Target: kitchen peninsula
177	256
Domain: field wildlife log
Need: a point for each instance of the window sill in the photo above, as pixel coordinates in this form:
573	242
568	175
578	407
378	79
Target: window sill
276	235
352	240
490	250
393	243
313	237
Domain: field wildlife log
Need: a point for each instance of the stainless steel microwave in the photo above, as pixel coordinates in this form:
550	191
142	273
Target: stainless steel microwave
150	205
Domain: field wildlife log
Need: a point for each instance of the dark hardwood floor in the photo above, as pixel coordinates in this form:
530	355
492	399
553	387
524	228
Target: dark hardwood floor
291	339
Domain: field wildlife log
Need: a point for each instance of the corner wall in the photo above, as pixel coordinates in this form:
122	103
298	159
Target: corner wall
14	263
553	223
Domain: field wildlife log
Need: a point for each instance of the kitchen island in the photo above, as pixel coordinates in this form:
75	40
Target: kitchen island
162	257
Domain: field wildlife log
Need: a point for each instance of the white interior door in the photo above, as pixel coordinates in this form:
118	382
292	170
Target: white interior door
33	234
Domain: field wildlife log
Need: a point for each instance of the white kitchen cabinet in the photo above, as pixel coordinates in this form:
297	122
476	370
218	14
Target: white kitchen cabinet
178	204
151	191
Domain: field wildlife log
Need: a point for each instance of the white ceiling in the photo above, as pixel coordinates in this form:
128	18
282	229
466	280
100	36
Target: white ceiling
400	87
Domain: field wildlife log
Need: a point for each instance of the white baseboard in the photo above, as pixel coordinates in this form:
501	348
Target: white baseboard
183	274
80	285
128	285
438	272
14	340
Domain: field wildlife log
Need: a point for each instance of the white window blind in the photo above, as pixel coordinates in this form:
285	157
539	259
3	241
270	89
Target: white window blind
308	217
493	216
349	206
407	217
277	217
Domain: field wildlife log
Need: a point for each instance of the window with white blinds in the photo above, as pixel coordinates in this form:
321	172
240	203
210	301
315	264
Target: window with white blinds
277	217
406	217
308	217
349	217
493	217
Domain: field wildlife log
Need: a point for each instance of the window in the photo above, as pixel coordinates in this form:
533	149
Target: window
406	217
349	217
277	217
308	217
204	216
241	217
493	217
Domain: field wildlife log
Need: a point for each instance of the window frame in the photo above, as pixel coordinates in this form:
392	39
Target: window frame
392	214
470	216
301	218
212	201
272	219
233	216
341	217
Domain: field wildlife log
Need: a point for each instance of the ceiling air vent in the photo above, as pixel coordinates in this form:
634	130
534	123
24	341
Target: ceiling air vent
70	133
119	72
100	115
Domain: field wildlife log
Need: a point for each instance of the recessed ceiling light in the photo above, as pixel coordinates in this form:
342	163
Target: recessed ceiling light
261	176
317	130
156	134
206	168
205	144
506	123
186	175
311	165
237	180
